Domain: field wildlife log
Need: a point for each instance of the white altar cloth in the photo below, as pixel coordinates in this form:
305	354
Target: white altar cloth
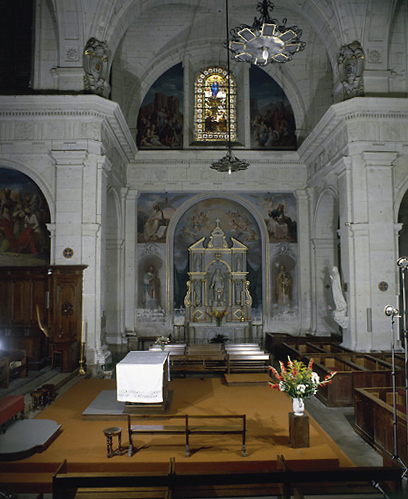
139	377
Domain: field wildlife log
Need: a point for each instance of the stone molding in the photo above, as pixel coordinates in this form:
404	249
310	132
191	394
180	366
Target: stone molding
357	125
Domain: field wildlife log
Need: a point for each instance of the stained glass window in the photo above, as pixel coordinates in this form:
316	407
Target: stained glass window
211	106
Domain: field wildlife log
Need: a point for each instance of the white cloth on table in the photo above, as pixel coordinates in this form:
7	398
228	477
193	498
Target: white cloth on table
139	377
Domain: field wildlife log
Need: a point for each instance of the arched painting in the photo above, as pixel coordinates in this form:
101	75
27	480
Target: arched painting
160	121
24	213
272	120
200	220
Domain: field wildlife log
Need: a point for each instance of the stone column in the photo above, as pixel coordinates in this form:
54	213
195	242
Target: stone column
304	274
368	248
130	231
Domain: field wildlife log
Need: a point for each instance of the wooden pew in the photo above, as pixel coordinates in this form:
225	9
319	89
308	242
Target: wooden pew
196	363
180	481
374	420
254	362
351	373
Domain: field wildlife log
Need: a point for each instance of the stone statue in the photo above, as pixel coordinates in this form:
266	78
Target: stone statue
217	285
350	63
96	66
340	312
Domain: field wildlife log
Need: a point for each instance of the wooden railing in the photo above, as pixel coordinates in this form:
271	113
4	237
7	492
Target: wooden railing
282	481
187	425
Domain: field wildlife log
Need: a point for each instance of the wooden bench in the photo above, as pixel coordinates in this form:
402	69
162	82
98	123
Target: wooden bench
205	363
255	362
10	407
187	425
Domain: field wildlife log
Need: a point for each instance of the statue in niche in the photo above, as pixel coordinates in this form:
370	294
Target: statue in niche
96	66
197	263
340	313
284	287
151	289
217	285
238	263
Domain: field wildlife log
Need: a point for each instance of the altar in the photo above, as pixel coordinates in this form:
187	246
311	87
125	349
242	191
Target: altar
142	378
218	300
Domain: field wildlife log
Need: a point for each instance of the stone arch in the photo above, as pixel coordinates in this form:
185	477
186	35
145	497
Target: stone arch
24	219
37	179
326	254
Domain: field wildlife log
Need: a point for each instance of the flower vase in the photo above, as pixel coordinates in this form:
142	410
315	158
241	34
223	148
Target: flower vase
298	406
162	347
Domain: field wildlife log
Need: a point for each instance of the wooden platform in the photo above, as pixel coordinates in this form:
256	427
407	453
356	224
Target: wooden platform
243	379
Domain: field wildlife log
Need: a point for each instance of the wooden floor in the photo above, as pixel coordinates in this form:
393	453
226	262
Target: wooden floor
267	428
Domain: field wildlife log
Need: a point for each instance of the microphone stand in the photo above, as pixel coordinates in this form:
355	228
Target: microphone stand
402	262
390	311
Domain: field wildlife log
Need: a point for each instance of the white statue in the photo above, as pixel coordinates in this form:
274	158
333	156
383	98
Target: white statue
340	312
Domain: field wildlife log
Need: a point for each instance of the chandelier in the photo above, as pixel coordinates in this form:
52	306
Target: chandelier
266	40
229	163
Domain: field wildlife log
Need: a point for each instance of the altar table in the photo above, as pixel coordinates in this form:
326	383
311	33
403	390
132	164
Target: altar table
141	377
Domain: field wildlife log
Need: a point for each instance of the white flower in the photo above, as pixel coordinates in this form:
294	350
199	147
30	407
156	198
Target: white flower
281	386
315	378
301	388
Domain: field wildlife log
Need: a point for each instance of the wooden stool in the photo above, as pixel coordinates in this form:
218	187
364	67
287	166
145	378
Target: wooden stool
49	393
37	398
114	431
298	430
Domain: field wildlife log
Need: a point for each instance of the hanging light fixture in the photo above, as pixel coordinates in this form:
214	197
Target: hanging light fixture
266	40
229	163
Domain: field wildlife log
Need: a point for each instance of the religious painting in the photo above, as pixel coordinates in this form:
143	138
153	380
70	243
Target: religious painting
279	211
160	120
272	120
24	213
154	214
215	110
199	221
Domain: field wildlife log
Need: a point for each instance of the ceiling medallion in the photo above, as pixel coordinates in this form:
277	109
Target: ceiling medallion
266	40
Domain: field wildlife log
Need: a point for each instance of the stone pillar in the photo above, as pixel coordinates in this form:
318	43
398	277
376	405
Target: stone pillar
69	165
368	249
130	210
304	274
80	198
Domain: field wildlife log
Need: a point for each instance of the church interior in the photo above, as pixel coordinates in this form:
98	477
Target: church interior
220	182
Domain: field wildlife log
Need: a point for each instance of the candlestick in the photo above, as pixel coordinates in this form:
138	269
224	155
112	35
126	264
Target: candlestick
82	370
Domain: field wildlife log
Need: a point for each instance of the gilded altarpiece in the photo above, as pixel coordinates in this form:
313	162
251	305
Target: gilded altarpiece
218	290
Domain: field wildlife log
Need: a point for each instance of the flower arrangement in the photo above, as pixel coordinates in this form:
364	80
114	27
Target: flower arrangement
217	315
162	341
298	380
